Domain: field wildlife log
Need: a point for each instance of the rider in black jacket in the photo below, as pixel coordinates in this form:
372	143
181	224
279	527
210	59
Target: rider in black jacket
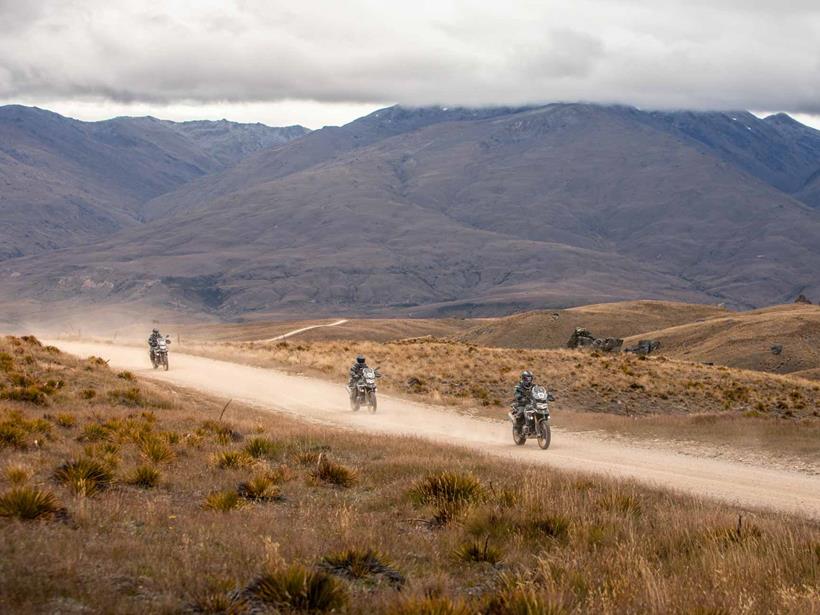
523	390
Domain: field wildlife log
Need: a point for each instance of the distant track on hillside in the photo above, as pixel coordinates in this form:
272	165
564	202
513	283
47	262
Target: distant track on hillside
744	484
303	329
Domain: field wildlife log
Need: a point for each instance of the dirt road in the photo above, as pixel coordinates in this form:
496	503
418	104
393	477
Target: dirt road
743	484
303	329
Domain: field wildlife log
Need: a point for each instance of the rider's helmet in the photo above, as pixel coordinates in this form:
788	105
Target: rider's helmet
526	379
155	331
360	360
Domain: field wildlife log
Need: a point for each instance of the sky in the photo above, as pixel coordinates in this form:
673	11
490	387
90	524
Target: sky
328	62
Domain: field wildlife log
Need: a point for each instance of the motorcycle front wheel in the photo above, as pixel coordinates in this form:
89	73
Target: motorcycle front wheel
354	403
544	435
165	363
518	437
372	402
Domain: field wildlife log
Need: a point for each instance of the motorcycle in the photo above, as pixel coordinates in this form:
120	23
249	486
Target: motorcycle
159	353
536	419
363	392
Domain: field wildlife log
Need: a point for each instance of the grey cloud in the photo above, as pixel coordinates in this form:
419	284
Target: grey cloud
658	53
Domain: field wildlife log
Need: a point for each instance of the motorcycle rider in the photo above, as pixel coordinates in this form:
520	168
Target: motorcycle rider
153	341
355	374
523	390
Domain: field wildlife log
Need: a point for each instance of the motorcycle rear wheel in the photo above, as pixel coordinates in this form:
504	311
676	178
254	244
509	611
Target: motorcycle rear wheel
544	435
518	437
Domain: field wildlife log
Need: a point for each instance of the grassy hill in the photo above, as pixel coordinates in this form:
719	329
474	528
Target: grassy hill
121	496
552	328
745	340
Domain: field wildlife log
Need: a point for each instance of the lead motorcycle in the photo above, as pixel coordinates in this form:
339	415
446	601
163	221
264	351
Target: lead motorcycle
534	420
159	353
363	392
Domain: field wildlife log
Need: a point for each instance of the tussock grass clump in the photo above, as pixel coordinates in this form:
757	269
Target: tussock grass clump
555	527
127	397
478	552
357	564
263	448
28	503
259	489
222	501
223	433
298	589
231	459
155	449
65	420
522	601
453	488
17	474
84	476
435	605
12	435
87	394
334	473
144	477
126	375
94	432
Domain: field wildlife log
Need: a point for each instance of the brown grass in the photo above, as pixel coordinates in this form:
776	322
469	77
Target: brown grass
570	543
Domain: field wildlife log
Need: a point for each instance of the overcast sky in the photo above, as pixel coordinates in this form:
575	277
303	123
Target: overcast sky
327	62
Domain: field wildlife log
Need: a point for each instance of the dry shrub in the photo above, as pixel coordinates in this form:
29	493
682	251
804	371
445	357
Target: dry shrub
356	564
222	501
334	473
260	488
231	459
298	589
144	477
84	476
28	503
126	376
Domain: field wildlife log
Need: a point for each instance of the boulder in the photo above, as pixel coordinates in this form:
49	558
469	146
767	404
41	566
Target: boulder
582	338
802	299
644	347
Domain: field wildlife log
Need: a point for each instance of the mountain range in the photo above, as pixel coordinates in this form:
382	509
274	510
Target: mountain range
422	211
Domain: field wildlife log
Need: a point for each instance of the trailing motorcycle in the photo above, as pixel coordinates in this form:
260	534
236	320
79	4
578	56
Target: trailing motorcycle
159	353
534	420
363	392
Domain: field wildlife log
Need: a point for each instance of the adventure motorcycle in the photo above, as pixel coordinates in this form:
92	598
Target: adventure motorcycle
363	392
533	421
159	353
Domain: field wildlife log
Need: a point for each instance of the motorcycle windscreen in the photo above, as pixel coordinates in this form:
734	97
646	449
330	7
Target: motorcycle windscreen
539	393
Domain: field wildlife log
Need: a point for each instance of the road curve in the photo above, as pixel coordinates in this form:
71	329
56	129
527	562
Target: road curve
746	485
303	329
